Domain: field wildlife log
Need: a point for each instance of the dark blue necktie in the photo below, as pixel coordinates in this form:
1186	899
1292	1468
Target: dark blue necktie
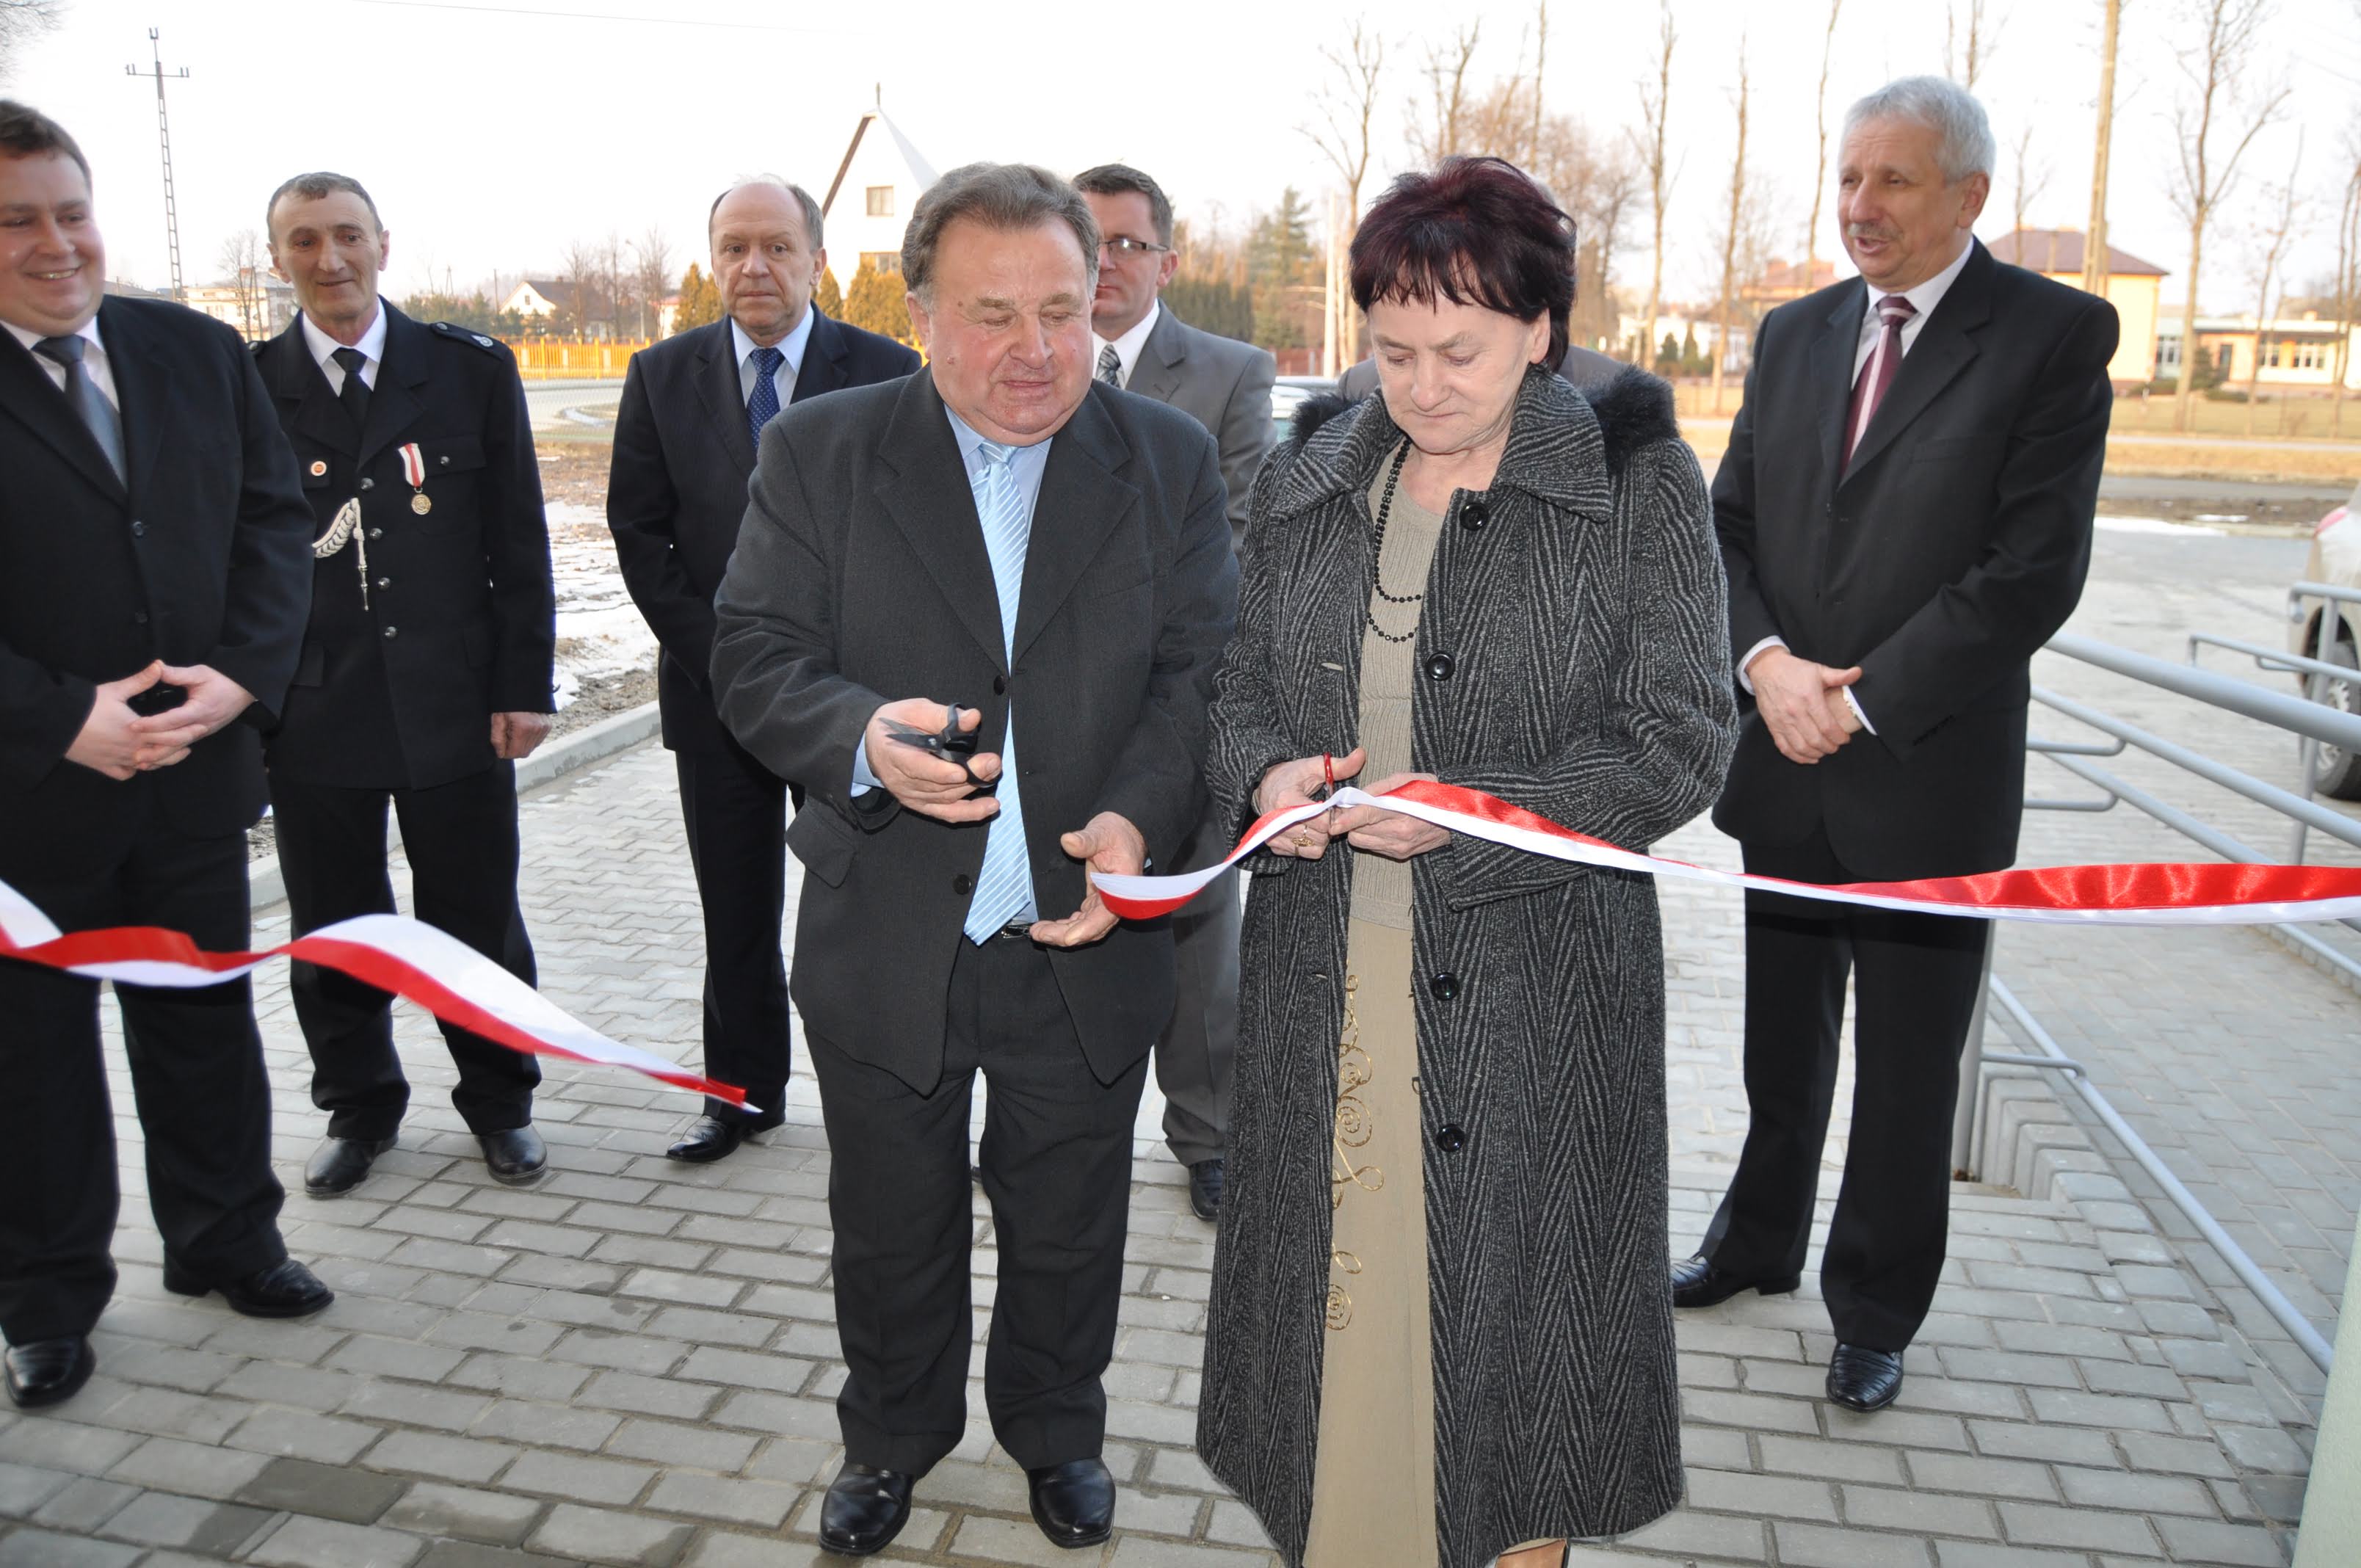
764	406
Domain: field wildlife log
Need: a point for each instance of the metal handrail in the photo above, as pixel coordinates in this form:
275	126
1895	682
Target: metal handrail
2292	713
2276	659
2303	591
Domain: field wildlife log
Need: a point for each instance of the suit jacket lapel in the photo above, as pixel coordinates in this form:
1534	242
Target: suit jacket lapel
27	391
723	398
1831	372
929	499
394	402
823	367
307	406
1946	344
1158	373
143	389
1083	496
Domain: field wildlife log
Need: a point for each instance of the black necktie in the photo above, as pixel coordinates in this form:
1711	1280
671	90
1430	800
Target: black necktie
354	397
88	402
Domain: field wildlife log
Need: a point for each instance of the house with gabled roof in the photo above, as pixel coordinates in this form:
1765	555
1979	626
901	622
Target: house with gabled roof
868	204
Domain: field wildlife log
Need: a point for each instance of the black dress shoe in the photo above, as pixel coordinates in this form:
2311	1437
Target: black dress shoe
1865	1379
48	1371
1075	1502
712	1138
515	1156
337	1166
863	1511
1206	1189
285	1290
1698	1283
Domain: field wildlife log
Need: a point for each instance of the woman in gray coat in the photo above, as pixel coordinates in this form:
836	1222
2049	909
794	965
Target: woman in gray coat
1439	1329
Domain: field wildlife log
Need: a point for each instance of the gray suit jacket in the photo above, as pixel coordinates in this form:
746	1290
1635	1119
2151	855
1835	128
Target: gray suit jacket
1589	371
860	576
1225	386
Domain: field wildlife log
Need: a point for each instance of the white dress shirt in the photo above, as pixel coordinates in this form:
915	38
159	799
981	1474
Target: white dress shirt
1922	300
93	358
323	350
1127	347
783	380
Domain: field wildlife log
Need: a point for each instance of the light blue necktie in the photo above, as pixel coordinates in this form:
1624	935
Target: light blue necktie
764	404
1005	890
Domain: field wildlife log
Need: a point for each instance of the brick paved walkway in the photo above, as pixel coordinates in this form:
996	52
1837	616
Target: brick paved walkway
633	1362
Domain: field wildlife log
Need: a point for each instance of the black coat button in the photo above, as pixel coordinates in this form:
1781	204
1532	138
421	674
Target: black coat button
376	534
368	484
962	884
1450	1137
390	631
1474	515
1439	667
1446	986
139	618
1000	685
139	531
385	582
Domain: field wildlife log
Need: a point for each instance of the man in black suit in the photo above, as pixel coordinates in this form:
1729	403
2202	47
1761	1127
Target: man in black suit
694	408
425	672
1905	513
1048	555
1225	385
152	585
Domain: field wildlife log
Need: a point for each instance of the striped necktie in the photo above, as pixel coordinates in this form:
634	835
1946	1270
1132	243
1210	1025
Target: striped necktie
1877	375
1110	366
1003	891
764	405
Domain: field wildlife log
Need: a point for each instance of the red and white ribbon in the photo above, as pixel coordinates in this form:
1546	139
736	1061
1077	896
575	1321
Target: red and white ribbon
393	952
2160	895
413	466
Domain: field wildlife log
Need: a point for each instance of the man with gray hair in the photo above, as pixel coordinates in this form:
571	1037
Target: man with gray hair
1905	512
975	613
693	412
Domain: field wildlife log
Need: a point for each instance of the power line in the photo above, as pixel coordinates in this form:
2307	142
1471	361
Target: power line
164	136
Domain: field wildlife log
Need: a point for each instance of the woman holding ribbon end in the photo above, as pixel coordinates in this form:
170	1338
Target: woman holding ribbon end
1439	1330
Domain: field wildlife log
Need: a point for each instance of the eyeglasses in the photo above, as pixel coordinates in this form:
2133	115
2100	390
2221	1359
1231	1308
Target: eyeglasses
1124	246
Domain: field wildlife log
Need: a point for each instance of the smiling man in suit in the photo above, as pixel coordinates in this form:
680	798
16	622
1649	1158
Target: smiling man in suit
426	672
694	410
1225	386
1905	512
1001	533
154	569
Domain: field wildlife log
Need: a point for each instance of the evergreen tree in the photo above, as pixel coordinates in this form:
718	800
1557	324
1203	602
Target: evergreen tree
700	301
828	296
1213	304
1281	264
475	312
876	302
1693	358
1668	355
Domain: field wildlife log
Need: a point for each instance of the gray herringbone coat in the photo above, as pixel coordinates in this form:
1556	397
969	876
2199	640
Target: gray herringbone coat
1589	680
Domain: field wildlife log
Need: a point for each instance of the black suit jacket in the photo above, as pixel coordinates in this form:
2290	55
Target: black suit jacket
1946	554
677	490
203	559
460	621
862	576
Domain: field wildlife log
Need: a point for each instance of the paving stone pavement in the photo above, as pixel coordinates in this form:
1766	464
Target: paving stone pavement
633	1362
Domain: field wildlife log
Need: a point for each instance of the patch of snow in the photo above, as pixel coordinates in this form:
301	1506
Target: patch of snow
600	630
2154	525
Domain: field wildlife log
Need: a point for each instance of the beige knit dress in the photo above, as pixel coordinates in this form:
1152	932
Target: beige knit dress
1373	1481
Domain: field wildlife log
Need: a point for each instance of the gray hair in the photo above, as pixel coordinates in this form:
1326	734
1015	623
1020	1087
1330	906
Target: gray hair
313	186
1965	145
1003	196
803	199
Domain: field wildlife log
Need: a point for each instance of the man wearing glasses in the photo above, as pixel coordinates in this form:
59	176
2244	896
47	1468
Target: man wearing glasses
1225	386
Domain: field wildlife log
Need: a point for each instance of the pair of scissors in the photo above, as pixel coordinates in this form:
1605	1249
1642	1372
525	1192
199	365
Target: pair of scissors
950	743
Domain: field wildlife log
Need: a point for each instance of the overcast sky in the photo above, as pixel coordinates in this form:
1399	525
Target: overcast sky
491	134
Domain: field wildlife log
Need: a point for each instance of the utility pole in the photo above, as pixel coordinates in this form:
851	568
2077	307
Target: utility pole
164	136
2094	241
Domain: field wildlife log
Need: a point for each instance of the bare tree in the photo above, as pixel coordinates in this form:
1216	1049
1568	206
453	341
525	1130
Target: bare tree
1655	154
22	21
2348	253
583	271
2216	69
1347	107
2094	239
242	261
652	277
1820	169
1734	238
2274	251
2030	177
1964	58
1440	133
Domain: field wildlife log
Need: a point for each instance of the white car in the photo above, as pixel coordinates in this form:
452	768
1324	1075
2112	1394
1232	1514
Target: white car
2324	629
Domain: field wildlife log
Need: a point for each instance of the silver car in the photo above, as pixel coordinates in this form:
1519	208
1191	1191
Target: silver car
2323	628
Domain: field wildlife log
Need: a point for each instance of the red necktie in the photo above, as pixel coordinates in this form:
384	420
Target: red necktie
1869	387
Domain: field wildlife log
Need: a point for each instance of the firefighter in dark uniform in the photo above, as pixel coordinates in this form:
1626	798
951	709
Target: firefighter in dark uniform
425	671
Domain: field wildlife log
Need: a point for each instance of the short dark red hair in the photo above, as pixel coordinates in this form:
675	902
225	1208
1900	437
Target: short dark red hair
1477	231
